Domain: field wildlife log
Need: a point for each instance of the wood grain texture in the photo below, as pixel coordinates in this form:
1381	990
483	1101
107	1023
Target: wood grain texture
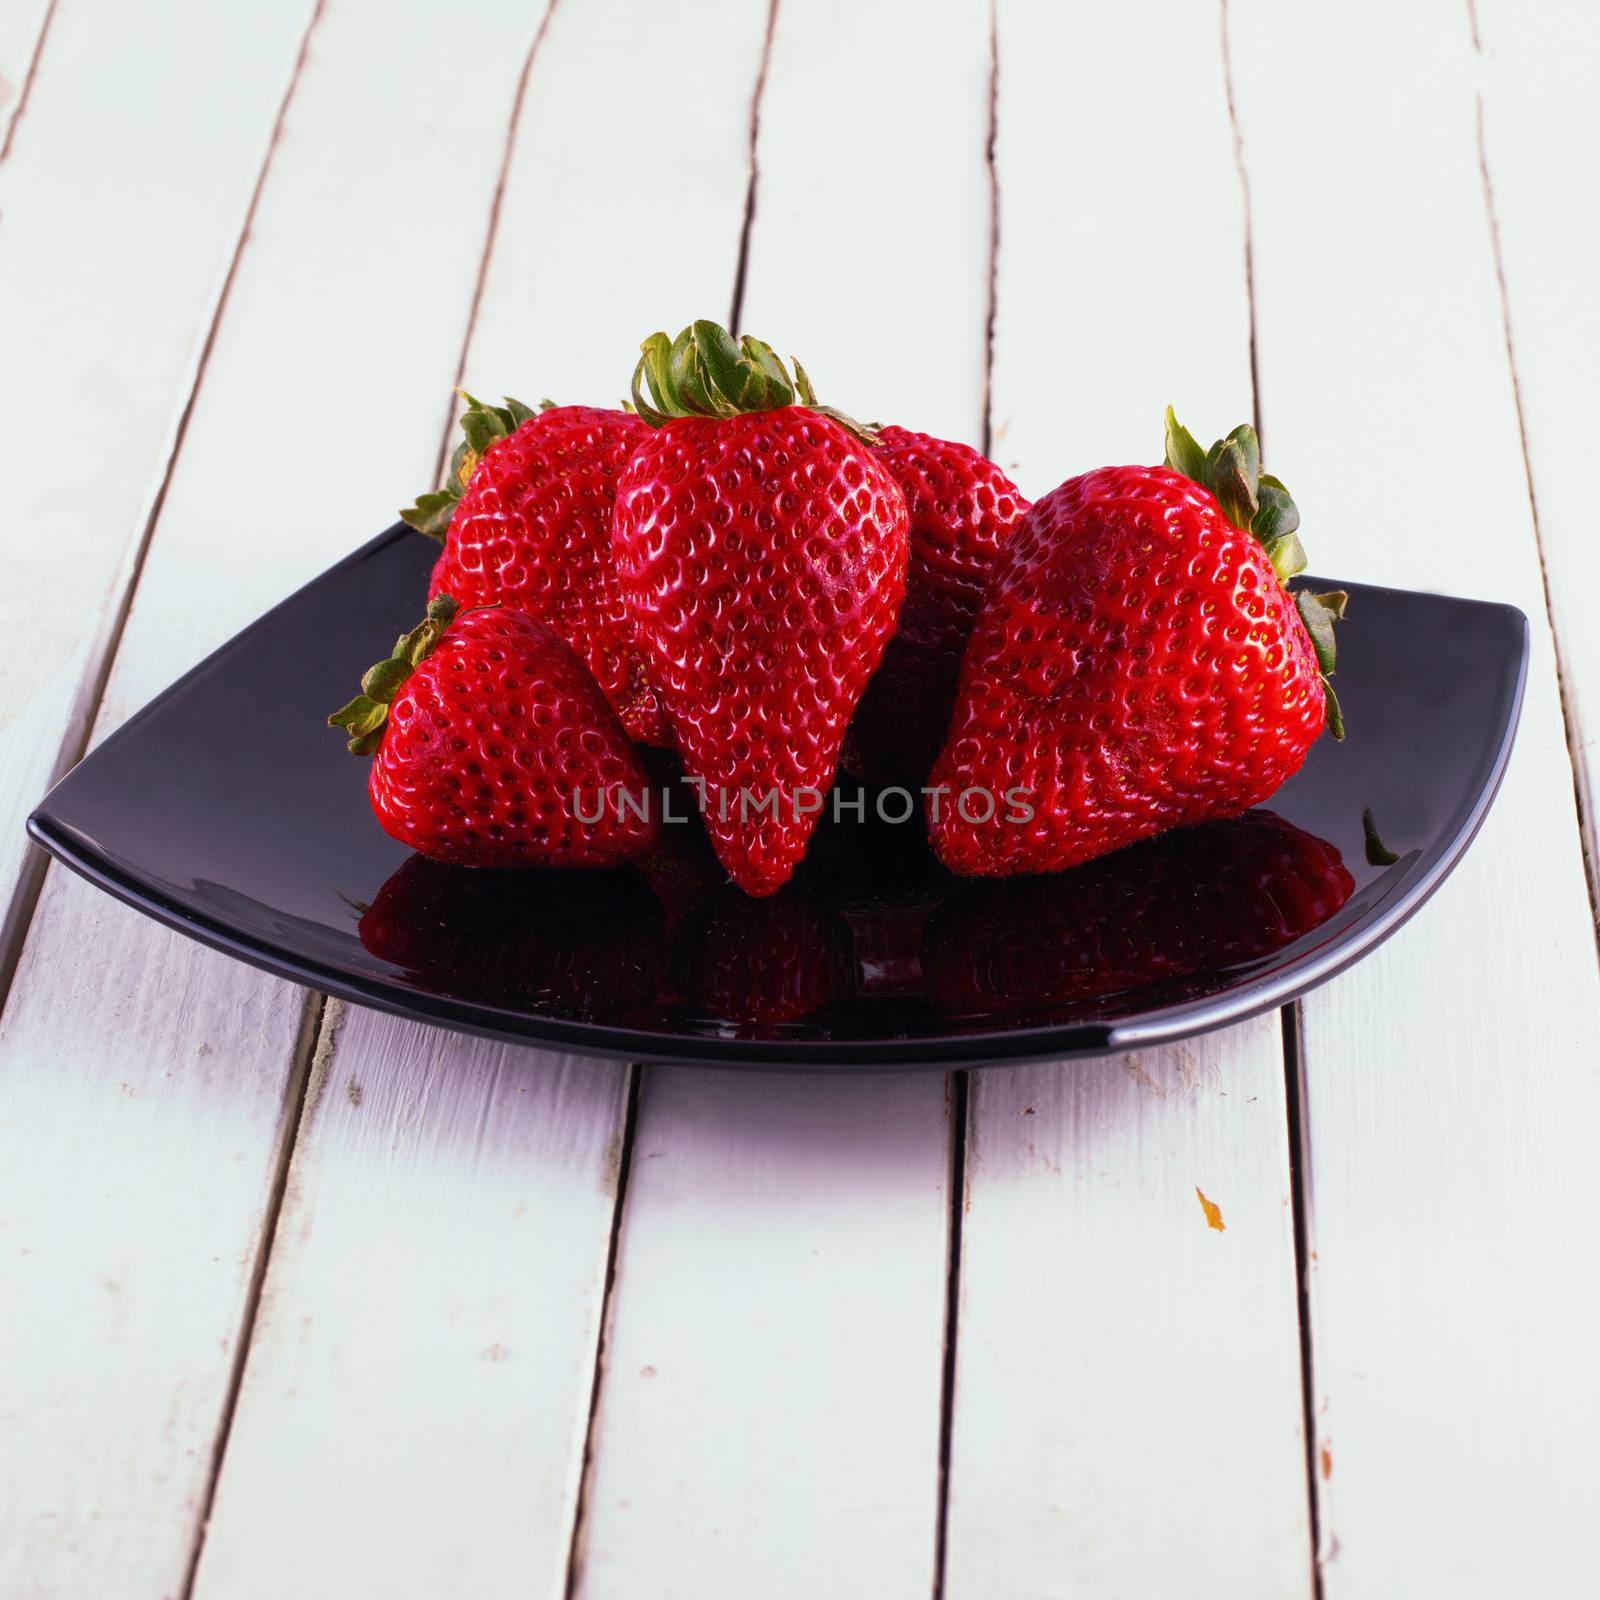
869	256
22	29
427	1326
1128	1410
623	204
1536	69
147	1083
108	355
1452	1080
1128	1414
769	1420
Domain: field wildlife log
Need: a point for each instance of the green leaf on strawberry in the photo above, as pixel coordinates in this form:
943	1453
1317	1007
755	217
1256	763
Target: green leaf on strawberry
706	372
364	717
481	426
1257	503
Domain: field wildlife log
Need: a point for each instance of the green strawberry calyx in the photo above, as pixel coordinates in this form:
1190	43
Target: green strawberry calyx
481	426
706	372
365	717
1258	504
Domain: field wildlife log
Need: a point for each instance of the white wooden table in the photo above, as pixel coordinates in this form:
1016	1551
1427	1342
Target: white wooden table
300	1300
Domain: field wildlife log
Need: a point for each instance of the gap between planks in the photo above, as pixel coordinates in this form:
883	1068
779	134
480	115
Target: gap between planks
630	1123
491	233
312	1052
960	1084
736	305
1582	800
27	79
1296	1110
30	882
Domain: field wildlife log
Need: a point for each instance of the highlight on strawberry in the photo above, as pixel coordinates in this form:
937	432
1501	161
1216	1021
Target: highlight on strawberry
486	732
524	515
1138	663
761	546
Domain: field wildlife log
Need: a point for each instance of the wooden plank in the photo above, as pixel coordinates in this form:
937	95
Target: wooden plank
769	1421
822	281
117	353
1128	1408
781	1281
594	254
22	31
149	1091
1537	110
503	1185
427	1326
1128	1411
1451	1080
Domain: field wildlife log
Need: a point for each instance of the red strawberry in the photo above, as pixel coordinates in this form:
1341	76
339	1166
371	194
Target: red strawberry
1167	910
1137	665
762	551
494	745
962	507
525	516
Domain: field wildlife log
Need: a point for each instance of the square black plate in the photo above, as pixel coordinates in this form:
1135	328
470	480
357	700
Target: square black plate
263	846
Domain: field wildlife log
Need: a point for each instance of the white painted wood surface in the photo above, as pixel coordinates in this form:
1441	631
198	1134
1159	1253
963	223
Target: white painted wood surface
414	1403
100	360
413	1414
769	1418
22	28
1453	1081
1537	69
1129	1416
145	1091
864	174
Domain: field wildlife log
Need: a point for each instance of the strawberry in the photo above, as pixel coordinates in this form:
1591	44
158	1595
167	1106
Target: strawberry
1165	911
525	516
761	546
494	745
1138	664
962	507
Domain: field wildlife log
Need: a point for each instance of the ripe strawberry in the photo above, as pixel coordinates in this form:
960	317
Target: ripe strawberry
493	743
525	516
1165	911
1137	665
962	507
762	551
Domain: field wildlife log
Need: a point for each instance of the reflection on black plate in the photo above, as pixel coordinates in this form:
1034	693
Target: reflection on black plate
872	956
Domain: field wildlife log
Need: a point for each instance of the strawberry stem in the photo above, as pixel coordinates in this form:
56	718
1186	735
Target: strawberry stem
365	716
481	426
706	372
1258	504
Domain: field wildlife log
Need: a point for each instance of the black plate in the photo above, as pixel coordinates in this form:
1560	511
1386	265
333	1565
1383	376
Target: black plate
260	843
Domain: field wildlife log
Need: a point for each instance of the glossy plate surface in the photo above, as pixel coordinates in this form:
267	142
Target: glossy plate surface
264	847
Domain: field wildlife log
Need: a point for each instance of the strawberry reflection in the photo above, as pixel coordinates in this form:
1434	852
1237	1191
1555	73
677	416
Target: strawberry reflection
762	963
1190	903
871	938
581	943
